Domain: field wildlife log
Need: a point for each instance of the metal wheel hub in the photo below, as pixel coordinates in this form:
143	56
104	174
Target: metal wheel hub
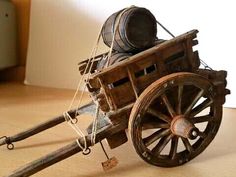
182	127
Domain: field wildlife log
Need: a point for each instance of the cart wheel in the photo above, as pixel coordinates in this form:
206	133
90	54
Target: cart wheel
175	119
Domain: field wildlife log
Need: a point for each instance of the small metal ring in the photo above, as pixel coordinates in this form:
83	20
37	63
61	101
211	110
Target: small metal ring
74	121
10	146
86	151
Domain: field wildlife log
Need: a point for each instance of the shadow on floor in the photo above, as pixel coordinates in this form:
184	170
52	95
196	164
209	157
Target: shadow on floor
144	169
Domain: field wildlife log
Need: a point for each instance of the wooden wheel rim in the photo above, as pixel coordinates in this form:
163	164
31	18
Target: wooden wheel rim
154	91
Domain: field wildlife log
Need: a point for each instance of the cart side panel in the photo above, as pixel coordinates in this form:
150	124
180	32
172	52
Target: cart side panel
218	78
123	82
123	94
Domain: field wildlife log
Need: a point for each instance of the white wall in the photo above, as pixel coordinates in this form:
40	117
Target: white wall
62	32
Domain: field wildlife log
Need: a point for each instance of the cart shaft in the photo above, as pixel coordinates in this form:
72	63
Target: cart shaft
88	108
65	152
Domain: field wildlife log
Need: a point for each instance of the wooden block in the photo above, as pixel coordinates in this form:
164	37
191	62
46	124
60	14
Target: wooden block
109	164
117	139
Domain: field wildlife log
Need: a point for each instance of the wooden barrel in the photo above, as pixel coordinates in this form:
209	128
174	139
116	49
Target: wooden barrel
115	58
136	30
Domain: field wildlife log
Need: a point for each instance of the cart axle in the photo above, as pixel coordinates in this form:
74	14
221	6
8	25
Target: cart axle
181	126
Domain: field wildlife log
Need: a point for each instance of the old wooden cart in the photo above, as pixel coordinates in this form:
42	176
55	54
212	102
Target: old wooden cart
159	94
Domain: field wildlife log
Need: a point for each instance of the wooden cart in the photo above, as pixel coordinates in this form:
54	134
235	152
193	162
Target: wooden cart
159	94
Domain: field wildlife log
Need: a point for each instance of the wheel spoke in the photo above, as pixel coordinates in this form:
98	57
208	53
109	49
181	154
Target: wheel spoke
155	136
179	101
201	119
202	135
161	144
174	147
154	124
168	105
187	144
195	100
159	115
201	107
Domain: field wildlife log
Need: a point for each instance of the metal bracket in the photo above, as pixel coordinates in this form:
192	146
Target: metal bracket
10	145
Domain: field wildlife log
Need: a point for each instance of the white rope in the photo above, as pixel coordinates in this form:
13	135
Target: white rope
94	51
67	117
95	120
94	127
92	56
77	130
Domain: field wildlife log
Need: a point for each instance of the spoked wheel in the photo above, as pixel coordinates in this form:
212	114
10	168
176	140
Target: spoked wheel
175	119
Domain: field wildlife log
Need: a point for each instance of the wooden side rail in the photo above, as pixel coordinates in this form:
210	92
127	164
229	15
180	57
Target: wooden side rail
118	68
123	82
